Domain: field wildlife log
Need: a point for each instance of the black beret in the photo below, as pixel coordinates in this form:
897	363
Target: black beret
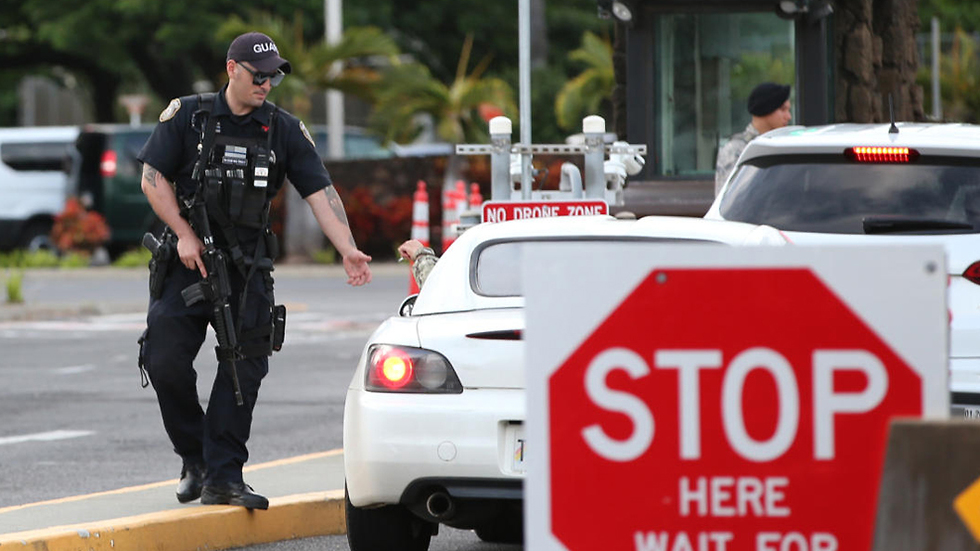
767	97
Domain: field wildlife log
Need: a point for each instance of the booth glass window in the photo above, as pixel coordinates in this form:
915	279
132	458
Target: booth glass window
707	66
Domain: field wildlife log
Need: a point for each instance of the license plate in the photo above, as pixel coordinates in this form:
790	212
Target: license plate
967	412
514	450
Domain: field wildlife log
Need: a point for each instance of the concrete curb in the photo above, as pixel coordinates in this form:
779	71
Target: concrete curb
204	527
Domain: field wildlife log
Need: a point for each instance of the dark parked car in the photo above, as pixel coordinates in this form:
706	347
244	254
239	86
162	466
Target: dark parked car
107	176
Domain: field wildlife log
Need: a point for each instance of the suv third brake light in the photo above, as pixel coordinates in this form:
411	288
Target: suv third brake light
108	164
864	154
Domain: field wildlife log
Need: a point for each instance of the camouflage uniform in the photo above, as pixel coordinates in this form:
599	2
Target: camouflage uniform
424	261
729	154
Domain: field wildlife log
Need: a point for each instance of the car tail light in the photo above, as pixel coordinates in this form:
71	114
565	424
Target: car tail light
108	164
880	154
407	369
972	273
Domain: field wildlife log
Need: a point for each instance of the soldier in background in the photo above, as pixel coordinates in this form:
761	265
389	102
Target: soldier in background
423	259
769	106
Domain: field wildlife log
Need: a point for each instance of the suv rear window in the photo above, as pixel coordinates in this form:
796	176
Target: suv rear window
827	194
35	155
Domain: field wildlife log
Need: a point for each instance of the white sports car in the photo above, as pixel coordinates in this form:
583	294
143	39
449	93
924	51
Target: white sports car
433	420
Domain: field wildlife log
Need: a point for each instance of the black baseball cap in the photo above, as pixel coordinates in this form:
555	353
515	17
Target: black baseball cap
259	50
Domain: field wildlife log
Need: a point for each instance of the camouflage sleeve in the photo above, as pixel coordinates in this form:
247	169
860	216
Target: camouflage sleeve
424	262
727	157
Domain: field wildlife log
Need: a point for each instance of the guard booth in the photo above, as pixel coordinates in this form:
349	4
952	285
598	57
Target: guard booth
688	70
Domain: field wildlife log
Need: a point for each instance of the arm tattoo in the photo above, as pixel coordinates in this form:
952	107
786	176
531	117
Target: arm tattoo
338	209
150	175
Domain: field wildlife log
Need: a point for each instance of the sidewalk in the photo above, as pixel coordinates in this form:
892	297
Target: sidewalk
306	498
132	296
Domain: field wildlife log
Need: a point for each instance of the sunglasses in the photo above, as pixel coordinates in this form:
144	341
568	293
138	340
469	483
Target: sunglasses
259	79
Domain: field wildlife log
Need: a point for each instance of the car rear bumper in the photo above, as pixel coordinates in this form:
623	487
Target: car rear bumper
392	440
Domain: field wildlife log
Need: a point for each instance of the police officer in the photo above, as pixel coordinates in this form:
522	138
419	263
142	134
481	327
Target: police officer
246	147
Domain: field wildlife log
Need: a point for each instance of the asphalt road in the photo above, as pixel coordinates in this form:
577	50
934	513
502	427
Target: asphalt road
76	420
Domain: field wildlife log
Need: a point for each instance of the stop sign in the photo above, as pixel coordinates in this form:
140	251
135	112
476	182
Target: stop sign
740	404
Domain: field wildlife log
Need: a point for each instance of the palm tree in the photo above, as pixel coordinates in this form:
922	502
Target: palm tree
410	90
584	94
313	64
459	110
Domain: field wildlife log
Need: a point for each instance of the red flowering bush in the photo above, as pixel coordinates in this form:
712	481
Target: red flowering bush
77	229
377	229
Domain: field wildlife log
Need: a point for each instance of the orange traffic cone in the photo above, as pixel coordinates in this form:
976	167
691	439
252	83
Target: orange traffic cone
476	199
420	226
450	217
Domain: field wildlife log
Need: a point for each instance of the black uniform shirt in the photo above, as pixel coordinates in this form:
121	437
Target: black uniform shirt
172	148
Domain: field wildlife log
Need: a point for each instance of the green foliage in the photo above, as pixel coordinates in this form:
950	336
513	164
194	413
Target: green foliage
135	258
74	260
34	259
951	13
410	90
15	293
312	61
583	95
162	48
755	67
959	80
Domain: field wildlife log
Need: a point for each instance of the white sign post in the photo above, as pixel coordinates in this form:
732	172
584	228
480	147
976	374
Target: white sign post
710	398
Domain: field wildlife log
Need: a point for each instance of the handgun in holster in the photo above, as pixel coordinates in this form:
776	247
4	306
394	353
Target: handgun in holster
161	252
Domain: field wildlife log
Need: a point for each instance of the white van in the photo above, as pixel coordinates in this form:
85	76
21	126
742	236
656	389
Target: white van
34	183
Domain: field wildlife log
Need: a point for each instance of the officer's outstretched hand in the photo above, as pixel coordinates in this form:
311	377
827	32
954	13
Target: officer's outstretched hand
189	250
356	266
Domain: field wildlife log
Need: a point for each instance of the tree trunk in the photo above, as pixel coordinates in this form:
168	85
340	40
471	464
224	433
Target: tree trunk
876	57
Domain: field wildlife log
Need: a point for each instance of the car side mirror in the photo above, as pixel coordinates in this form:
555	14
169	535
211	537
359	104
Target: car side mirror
407	305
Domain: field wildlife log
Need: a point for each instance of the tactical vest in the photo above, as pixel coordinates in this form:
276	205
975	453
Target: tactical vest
240	174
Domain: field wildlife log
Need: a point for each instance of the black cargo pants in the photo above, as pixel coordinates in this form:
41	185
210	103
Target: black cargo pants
217	437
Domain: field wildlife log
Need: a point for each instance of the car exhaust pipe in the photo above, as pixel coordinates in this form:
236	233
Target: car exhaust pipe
440	506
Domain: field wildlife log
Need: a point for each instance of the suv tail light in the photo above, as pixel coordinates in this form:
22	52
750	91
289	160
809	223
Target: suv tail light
877	154
108	164
972	273
407	369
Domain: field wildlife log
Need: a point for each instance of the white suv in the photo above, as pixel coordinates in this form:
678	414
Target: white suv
34	165
872	184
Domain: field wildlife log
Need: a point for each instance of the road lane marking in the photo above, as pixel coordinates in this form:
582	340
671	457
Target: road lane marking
73	369
44	436
131	489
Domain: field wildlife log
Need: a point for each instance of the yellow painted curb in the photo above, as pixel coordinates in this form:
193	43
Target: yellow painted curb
204	527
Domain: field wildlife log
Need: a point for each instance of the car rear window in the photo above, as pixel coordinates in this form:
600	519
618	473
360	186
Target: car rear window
495	269
827	194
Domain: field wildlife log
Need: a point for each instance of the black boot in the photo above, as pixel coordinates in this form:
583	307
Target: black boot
233	493
191	482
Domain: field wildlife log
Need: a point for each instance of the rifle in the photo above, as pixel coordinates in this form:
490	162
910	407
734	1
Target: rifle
216	289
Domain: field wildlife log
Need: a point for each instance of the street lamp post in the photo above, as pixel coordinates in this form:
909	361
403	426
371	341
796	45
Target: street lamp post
333	25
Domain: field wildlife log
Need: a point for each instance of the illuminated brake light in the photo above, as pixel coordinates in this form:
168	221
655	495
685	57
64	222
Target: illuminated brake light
880	154
397	368
108	164
972	273
393	369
